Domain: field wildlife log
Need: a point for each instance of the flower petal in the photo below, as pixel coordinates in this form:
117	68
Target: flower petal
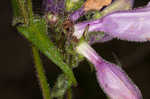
113	80
131	25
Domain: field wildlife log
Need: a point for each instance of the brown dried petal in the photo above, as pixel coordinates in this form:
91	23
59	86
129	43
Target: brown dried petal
95	4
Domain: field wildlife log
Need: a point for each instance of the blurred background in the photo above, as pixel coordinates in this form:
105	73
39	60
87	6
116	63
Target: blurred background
17	73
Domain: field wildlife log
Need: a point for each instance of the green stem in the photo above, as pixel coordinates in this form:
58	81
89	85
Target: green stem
69	93
30	11
41	75
23	10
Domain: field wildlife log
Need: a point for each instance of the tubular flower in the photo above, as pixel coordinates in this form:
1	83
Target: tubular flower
117	5
113	80
131	25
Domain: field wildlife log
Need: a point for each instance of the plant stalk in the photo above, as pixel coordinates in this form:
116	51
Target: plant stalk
41	74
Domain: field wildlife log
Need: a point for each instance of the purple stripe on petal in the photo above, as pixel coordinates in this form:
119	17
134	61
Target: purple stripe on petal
113	80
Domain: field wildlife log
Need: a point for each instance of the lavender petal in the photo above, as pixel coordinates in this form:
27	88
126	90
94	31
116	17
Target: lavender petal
128	25
117	5
131	25
113	80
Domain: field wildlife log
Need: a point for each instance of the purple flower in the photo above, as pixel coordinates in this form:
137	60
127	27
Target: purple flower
113	80
131	25
54	6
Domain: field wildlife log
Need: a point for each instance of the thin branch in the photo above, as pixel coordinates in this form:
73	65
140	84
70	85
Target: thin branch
41	74
24	12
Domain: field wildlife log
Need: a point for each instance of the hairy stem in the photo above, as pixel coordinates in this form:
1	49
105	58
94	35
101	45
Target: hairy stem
41	74
24	13
30	11
69	93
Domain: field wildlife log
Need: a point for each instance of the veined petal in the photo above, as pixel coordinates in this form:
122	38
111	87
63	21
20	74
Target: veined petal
113	80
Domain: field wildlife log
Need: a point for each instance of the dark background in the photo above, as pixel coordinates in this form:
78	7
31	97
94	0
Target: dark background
18	76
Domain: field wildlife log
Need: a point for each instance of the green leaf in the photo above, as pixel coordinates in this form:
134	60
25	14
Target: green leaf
36	33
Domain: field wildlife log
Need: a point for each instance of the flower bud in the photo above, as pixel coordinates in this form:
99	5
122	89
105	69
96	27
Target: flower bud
113	80
54	6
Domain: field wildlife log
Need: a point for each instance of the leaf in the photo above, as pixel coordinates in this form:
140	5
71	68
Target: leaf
36	33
